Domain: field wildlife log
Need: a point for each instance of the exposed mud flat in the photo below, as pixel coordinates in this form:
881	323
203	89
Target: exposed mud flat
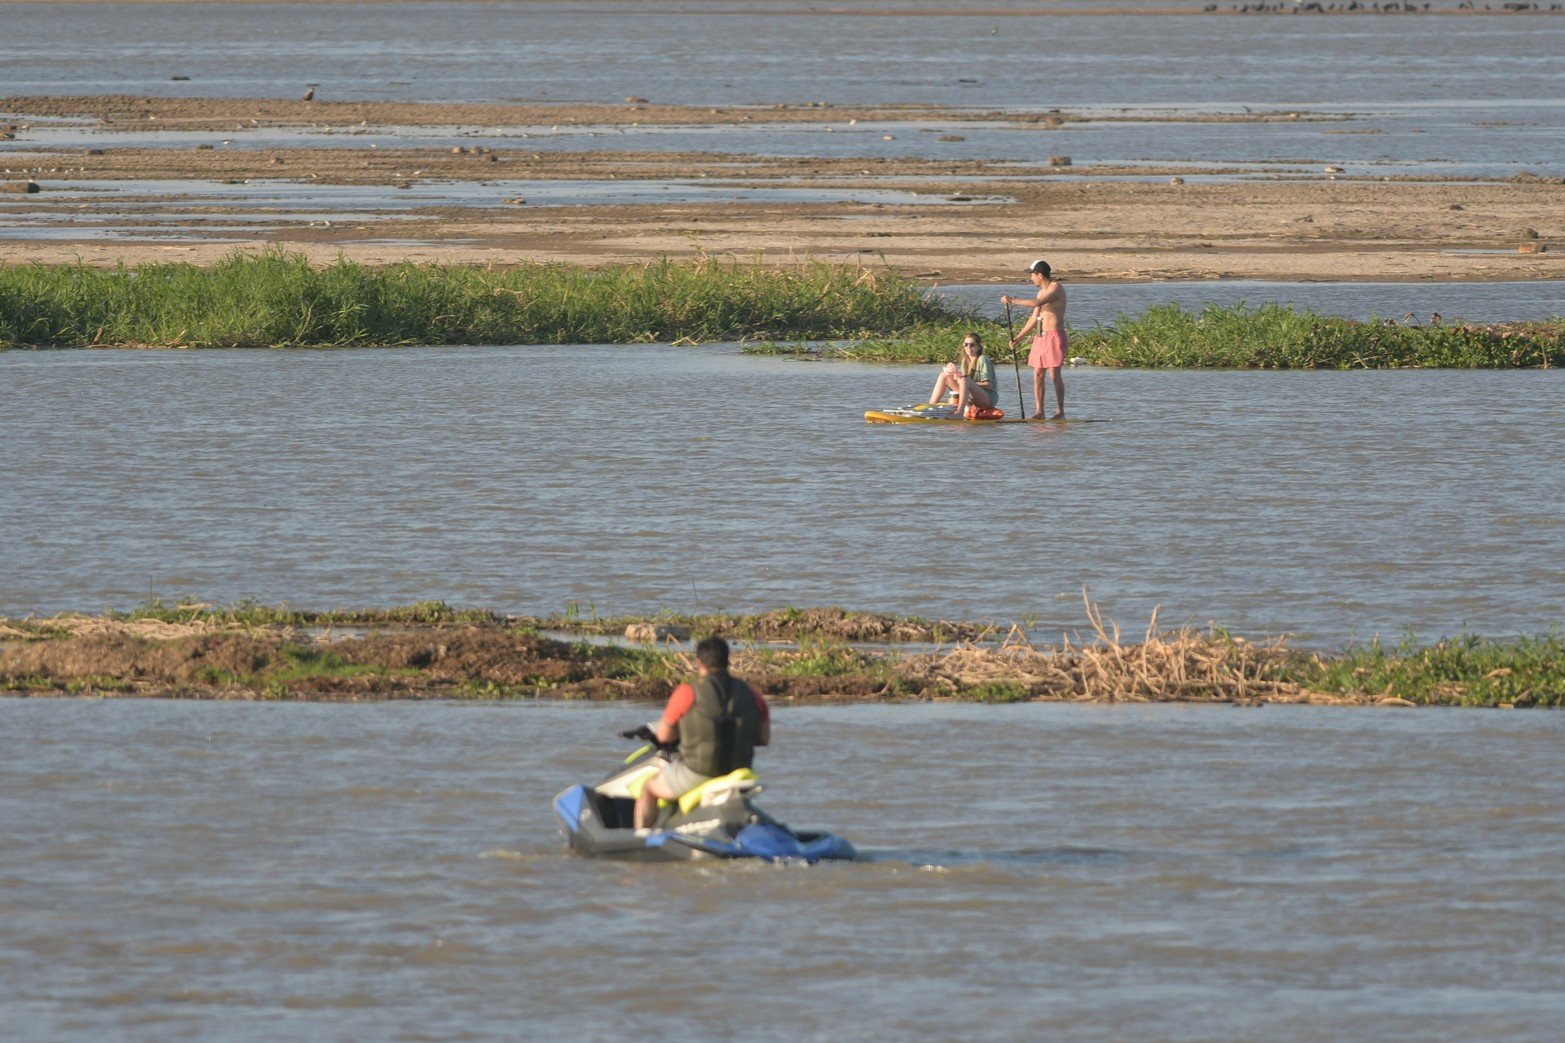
130	112
213	658
471	662
982	218
275	665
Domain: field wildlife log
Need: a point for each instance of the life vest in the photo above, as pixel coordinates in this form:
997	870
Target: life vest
717	735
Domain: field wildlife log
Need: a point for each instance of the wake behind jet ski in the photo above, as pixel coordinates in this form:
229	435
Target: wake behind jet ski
716	820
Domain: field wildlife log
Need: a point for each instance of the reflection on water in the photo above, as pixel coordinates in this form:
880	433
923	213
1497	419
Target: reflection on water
253	872
1331	505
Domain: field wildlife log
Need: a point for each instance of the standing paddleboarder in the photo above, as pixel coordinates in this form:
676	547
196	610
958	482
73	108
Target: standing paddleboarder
1047	357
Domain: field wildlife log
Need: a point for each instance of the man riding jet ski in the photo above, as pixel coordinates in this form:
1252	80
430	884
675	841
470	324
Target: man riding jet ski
691	798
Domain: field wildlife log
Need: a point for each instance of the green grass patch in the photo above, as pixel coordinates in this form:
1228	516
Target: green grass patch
281	300
305	661
253	614
1271	336
816	657
220	677
639	664
300	664
1463	671
98	683
1000	692
494	691
785	624
31	630
31	683
1274	336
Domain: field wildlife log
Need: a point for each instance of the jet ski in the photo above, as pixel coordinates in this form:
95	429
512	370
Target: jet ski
716	820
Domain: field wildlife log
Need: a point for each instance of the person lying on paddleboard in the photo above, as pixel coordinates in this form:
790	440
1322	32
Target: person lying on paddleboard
719	720
1048	343
972	383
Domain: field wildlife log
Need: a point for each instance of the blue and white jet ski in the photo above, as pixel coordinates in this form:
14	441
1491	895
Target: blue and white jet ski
715	820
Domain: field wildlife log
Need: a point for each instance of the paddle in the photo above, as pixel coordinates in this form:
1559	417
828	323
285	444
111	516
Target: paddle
1011	329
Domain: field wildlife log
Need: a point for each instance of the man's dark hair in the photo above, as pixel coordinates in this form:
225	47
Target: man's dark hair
713	653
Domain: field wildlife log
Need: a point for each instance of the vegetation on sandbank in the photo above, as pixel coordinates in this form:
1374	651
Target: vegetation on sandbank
1271	336
431	651
282	300
819	309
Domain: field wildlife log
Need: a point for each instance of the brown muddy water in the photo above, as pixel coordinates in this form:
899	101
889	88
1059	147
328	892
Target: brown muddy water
633	479
271	872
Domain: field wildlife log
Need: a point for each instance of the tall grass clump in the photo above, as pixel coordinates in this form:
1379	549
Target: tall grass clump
1274	336
281	300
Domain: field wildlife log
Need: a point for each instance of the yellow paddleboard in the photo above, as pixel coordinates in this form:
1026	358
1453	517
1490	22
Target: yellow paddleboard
926	414
913	416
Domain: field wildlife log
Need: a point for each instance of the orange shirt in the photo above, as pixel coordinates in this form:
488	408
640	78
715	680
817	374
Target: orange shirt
684	698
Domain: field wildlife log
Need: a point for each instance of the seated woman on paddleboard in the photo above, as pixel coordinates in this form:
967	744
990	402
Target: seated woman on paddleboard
972	383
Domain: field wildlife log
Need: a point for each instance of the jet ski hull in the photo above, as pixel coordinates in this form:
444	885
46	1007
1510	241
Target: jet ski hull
599	826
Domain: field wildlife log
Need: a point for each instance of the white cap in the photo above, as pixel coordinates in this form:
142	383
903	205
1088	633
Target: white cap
1038	267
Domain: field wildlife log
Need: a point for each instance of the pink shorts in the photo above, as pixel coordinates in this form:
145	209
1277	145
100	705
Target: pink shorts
1048	350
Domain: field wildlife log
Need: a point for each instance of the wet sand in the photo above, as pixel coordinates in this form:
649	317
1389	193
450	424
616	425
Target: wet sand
1169	224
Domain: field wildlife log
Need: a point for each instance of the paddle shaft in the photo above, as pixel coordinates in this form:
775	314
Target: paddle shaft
1010	328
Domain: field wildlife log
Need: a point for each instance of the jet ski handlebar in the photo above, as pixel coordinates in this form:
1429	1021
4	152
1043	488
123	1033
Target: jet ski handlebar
646	734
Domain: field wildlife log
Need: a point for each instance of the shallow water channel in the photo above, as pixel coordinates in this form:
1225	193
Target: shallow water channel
627	479
269	872
1429	94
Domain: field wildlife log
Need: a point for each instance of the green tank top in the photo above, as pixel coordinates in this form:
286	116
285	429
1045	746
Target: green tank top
983	373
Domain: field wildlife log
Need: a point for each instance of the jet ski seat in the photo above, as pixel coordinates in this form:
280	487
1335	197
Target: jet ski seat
719	789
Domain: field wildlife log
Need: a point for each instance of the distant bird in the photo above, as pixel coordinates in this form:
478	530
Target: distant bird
309	94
